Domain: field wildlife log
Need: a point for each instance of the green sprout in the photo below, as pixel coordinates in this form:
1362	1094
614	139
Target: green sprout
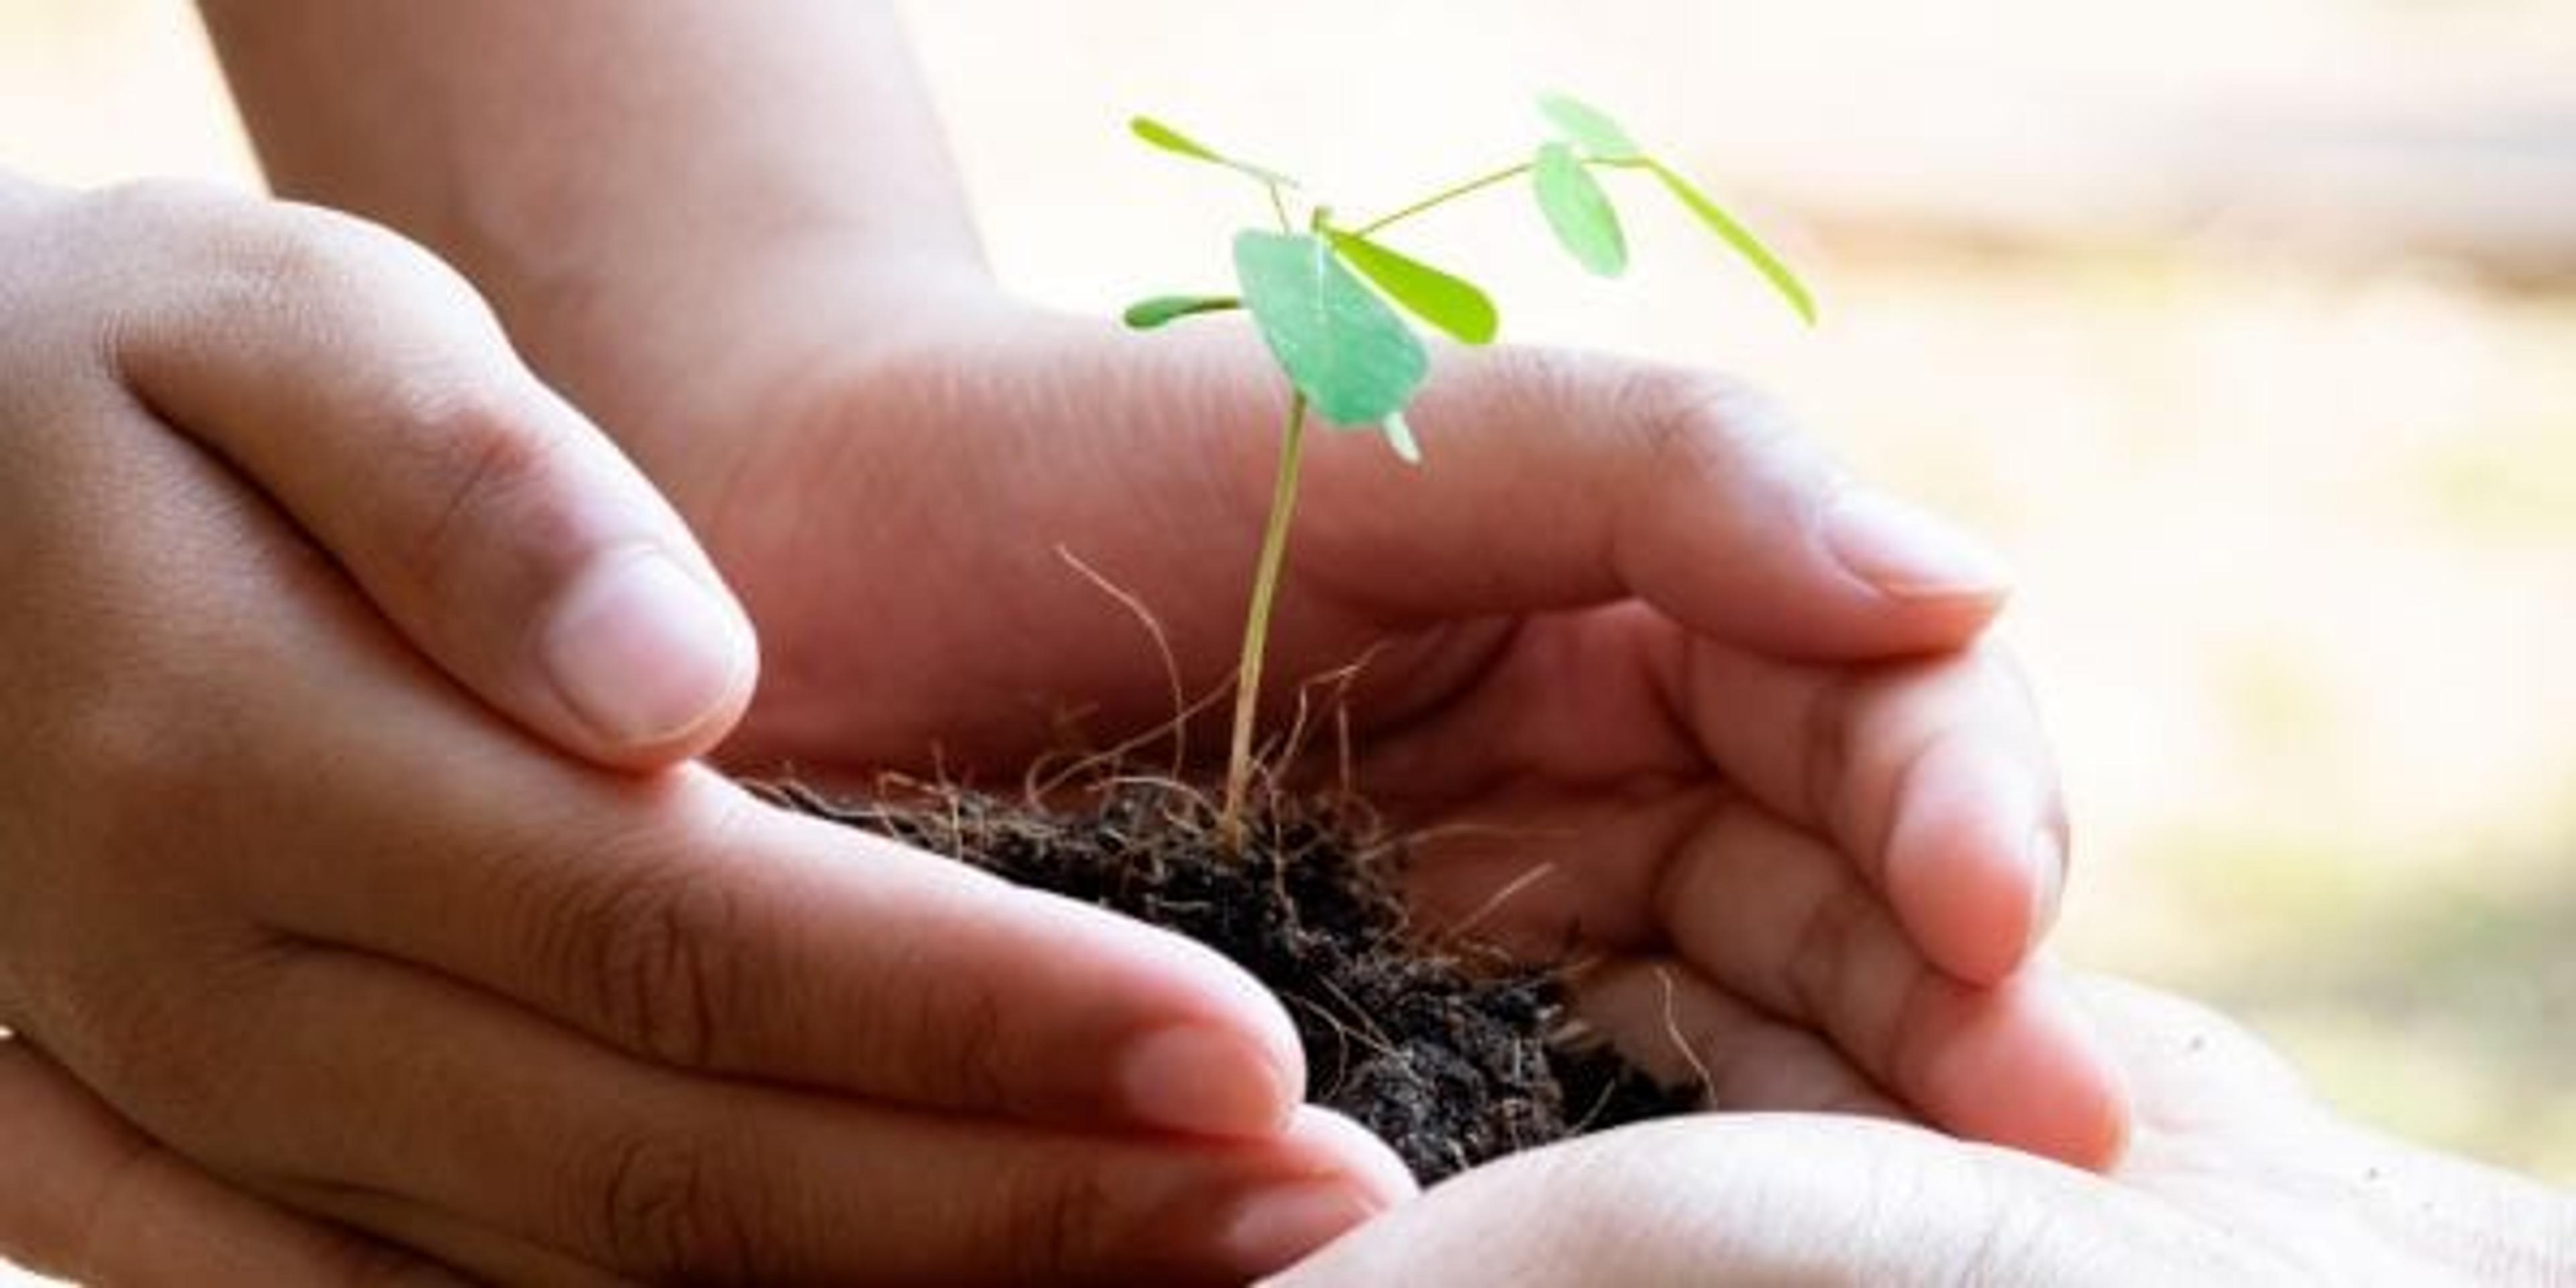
1348	354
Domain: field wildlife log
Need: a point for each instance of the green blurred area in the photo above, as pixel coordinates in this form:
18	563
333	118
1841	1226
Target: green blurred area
2246	329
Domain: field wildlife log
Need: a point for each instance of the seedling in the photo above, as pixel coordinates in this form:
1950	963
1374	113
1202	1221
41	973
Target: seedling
1351	358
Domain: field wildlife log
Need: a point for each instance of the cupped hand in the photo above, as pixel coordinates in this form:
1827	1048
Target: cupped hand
291	927
2236	1176
1657	687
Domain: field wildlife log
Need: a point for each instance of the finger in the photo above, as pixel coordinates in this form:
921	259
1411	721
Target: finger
368	390
1684	1030
1784	923
1777	918
487	1113
696	927
1558	479
87	1197
1934	776
1771	1198
475	1249
2208	1087
670	915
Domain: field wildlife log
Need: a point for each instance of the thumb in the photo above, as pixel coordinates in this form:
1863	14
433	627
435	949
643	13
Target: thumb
368	391
1556	479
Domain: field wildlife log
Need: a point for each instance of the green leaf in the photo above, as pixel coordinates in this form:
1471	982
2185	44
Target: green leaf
1145	315
1578	211
1588	127
1444	300
1342	347
1173	141
1742	239
1399	435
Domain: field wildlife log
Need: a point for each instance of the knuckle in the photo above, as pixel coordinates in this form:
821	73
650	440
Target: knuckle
311	256
955	1030
1680	416
1829	939
663	1205
1826	733
1057	1223
1685	437
648	957
293	260
475	456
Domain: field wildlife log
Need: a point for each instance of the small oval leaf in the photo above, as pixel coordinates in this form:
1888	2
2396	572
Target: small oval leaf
1587	127
1578	211
1170	140
1159	135
1145	315
1741	238
1339	344
1444	300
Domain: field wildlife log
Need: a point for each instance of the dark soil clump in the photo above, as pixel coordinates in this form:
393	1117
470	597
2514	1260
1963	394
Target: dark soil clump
1449	1052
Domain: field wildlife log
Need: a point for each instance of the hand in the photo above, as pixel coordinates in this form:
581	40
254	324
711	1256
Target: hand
1702	705
1652	681
2236	1176
282	910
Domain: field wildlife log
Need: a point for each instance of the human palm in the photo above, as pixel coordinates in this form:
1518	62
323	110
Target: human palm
2237	1176
1620	660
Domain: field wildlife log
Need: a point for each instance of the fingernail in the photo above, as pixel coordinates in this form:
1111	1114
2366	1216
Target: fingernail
1279	1226
2047	860
642	651
1205	1081
1907	553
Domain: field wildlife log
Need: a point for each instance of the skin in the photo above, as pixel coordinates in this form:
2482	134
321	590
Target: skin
307	918
1629	625
1661	685
2236	1176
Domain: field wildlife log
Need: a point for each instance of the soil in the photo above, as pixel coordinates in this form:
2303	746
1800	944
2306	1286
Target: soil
1449	1051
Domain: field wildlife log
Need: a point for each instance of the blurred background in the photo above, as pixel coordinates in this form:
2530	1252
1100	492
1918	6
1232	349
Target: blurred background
2246	328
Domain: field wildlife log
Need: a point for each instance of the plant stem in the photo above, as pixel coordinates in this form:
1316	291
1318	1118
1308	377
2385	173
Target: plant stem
1278	205
1256	626
1444	197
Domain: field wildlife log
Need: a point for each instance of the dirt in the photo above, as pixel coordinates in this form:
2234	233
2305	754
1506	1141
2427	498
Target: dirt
1449	1051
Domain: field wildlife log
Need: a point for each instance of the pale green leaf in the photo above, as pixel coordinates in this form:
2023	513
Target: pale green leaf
1145	315
1173	141
1741	238
1444	300
1339	344
1587	127
1578	211
1399	435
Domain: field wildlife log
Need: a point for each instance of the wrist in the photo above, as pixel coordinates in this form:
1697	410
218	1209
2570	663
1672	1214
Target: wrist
680	358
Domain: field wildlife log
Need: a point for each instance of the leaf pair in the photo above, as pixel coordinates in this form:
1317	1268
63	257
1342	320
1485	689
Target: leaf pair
1351	356
1341	346
1579	212
1442	299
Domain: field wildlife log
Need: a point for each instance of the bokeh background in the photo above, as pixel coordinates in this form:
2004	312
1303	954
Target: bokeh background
2247	328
